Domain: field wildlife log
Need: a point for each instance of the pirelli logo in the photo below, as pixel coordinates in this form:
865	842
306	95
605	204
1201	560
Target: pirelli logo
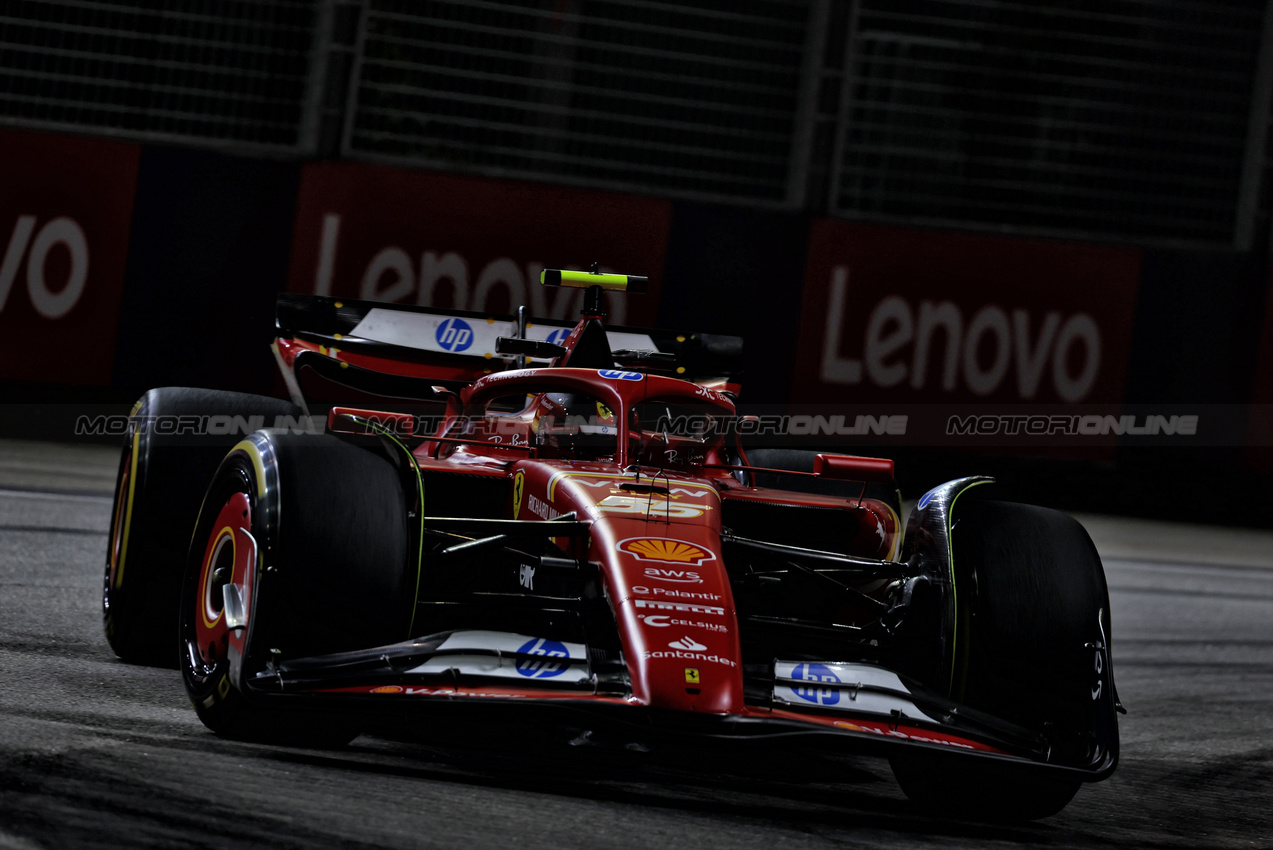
684	607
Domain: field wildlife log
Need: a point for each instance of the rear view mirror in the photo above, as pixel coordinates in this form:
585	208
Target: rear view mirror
871	470
353	420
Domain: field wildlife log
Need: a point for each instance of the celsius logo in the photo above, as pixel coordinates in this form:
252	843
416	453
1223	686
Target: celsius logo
543	667
688	644
558	337
663	621
454	335
619	375
816	673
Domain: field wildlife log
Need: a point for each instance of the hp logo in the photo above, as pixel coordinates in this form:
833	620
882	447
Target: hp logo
454	335
816	673
558	337
545	667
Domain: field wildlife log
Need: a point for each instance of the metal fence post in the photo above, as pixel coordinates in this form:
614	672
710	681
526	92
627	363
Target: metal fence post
356	33
312	109
811	76
1255	159
842	114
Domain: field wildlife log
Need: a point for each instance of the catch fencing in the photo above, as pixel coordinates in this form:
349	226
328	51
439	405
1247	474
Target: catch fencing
1136	121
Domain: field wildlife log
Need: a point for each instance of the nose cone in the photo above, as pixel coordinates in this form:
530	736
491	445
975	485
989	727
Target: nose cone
684	660
677	623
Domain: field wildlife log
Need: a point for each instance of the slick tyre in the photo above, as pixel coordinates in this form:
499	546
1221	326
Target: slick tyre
300	549
167	461
1034	612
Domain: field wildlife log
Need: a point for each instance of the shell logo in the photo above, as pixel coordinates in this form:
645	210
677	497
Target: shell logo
665	551
387	689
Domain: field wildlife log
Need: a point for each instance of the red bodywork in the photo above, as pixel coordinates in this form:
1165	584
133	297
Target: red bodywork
656	532
654	500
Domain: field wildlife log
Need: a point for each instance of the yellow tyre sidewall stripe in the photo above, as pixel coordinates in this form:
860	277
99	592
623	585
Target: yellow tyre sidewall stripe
128	511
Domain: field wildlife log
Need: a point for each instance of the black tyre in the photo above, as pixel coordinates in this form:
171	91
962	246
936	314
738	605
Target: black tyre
166	464
1034	613
312	534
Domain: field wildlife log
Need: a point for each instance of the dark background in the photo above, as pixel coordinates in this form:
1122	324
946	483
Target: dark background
1126	126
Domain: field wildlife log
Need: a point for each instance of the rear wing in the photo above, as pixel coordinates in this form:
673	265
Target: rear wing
402	351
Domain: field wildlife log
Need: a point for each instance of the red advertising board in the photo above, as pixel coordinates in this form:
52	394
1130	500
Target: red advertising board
65	214
391	234
929	317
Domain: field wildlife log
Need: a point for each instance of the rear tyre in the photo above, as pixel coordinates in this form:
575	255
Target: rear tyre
1033	605
166	464
310	536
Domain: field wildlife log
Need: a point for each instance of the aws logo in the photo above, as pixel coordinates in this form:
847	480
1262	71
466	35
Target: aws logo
668	552
682	576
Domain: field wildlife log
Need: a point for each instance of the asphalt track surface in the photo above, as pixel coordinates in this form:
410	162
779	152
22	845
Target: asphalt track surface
97	753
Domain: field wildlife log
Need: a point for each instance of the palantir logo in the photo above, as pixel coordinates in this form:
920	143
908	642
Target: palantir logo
542	667
454	335
816	673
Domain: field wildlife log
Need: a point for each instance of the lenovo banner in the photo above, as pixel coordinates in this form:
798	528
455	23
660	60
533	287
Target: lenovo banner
389	234
64	219
914	316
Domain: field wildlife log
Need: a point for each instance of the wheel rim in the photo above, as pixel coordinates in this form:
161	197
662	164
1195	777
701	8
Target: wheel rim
229	559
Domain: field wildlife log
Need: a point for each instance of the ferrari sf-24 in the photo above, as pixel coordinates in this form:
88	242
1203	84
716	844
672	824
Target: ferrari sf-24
578	530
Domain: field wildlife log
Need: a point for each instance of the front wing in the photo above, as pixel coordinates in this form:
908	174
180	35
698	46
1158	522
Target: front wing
858	706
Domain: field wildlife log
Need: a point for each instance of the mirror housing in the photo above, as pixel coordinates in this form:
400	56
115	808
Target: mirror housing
869	470
353	420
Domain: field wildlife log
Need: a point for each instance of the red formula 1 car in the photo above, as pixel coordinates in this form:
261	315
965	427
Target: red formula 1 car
589	535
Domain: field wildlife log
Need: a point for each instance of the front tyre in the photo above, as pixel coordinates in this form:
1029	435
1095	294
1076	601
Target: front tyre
173	448
952	787
300	549
1034	650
